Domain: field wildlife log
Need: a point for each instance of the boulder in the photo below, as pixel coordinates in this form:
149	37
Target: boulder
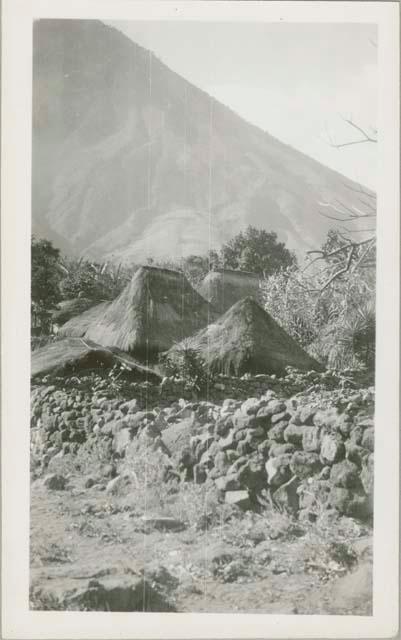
251	406
368	439
311	439
347	503
137	419
286	497
278	470
162	523
280	449
228	442
277	417
345	474
332	449
306	414
54	482
276	433
355	453
294	434
118	484
200	474
177	437
253	475
356	435
220	461
242	420
276	406
228	483
244	448
230	405
223	426
121	440
305	464
324	474
333	420
313	496
131	406
265	414
116	593
264	449
367	475
238	498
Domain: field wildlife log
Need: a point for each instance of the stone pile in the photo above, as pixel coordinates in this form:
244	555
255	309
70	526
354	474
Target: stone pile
303	453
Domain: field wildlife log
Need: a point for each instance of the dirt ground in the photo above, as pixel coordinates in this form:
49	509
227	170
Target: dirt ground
80	534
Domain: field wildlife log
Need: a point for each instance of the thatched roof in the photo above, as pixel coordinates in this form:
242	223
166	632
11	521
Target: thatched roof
67	309
77	326
156	309
224	287
72	355
246	339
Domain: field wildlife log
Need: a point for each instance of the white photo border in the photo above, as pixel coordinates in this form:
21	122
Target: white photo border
18	621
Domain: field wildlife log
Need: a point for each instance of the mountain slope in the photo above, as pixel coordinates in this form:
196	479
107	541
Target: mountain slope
130	160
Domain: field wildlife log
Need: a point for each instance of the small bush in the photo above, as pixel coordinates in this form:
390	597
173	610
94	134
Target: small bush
335	325
187	364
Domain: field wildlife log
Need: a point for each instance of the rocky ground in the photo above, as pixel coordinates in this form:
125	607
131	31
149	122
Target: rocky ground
143	501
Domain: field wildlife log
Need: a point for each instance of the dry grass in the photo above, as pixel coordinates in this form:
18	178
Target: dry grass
224	287
247	340
68	309
77	326
157	308
74	354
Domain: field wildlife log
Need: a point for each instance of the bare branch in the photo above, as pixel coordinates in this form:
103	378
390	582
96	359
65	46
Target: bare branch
358	230
350	213
361	130
341	271
365	136
349	248
363	256
326	215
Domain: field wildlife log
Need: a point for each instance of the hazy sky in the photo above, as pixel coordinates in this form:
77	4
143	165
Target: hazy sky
296	81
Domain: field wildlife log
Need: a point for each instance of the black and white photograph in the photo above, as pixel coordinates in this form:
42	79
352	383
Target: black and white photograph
203	276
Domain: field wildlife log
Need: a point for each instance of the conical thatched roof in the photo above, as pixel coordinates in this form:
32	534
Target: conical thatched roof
72	355
156	309
246	339
68	309
77	326
224	287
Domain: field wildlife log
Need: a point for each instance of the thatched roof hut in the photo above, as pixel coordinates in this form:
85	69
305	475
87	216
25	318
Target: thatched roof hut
73	355
246	339
224	287
156	309
77	326
68	309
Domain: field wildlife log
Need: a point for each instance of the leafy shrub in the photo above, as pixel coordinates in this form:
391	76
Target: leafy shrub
335	325
37	342
199	506
147	469
93	280
45	280
188	365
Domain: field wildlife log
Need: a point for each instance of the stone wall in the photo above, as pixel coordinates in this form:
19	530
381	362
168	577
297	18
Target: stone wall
253	438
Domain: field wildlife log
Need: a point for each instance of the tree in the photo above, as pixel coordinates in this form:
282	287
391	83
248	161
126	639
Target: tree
45	281
258	251
91	280
350	253
341	254
197	267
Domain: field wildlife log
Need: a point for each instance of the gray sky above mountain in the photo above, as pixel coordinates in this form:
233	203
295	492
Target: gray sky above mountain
296	81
